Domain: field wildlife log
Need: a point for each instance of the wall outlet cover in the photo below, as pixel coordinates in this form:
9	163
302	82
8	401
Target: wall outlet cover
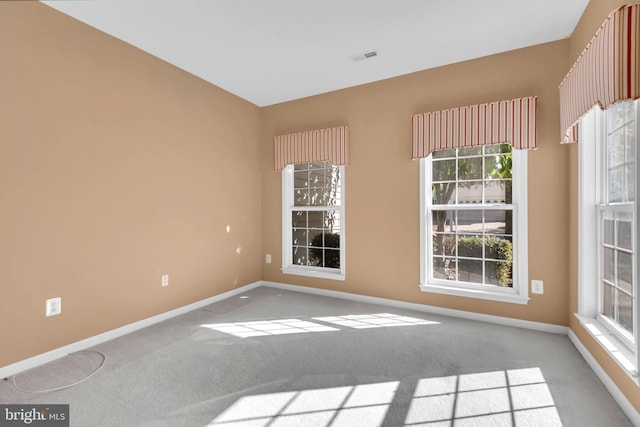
53	306
537	287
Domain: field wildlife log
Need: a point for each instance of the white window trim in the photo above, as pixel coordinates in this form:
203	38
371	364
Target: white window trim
288	267
590	178
519	294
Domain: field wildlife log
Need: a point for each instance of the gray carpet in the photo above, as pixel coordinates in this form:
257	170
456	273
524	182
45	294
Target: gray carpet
274	358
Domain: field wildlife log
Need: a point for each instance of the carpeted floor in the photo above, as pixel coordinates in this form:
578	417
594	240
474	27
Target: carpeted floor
277	358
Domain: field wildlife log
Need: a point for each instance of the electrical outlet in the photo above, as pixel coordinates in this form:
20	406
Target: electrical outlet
53	306
267	259
165	280
537	287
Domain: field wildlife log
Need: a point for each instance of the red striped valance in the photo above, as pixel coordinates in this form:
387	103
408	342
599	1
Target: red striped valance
606	72
502	122
321	145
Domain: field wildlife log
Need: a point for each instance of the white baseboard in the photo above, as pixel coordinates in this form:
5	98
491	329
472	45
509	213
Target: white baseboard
618	396
525	324
32	362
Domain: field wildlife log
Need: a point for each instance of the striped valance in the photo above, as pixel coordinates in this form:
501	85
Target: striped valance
320	145
607	71
502	122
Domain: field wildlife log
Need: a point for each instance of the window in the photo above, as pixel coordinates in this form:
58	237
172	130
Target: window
313	220
473	218
608	225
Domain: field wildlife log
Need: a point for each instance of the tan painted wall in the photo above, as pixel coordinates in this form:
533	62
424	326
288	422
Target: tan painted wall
115	168
593	17
382	218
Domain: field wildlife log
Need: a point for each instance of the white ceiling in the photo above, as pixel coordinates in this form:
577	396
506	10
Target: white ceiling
271	51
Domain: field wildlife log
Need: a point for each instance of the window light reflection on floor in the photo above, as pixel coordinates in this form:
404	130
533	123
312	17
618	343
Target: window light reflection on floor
364	405
380	320
269	327
517	397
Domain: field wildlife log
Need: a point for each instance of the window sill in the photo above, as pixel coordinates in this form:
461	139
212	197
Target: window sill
510	297
611	344
310	272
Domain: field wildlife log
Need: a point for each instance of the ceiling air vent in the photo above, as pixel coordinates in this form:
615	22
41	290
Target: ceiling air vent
365	55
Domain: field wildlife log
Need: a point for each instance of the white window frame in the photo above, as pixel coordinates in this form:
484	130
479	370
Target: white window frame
591	179
288	267
519	293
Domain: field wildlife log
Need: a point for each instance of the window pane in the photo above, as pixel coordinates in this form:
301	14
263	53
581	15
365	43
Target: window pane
332	258
470	168
442	221
608	265
439	154
470	192
498	248
469	151
470	246
630	172
300	197
444	170
444	244
470	221
497	148
316	257
299	219
619	114
625	311
299	237
624	234
498	222
331	240
498	166
608	301
299	255
607	231
318	196
316	219
630	144
319	165
498	191
316	178
498	273
615	180
444	268
617	149
443	193
470	270
331	220
315	238
625	271
333	183
300	178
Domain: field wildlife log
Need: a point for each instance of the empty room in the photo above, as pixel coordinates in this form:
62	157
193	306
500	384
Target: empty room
338	213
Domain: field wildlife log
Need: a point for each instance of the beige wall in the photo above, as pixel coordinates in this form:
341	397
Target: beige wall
382	218
593	17
115	168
